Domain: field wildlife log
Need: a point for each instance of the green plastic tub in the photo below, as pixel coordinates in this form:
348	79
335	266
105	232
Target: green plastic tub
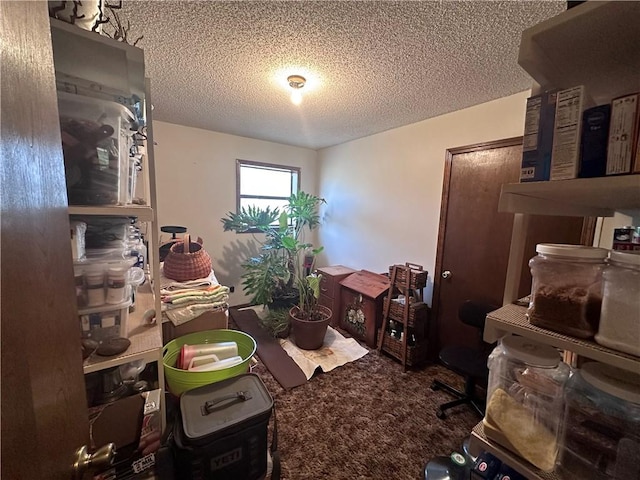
179	381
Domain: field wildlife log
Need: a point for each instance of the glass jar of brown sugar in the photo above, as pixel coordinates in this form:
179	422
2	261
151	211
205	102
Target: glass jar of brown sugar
566	289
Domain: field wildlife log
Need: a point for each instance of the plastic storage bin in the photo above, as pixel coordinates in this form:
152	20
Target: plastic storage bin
566	291
602	428
524	399
620	317
106	281
107	321
96	139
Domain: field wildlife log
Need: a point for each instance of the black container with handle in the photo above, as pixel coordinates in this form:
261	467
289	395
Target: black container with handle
222	430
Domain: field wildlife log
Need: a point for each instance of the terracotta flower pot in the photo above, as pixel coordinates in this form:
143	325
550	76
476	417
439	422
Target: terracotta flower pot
309	334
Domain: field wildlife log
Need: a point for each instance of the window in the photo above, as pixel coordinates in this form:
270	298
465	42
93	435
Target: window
265	185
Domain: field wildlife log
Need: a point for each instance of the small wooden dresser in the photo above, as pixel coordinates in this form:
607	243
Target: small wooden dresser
330	289
362	296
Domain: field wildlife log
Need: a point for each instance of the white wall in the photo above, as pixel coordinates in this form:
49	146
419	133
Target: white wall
384	191
196	187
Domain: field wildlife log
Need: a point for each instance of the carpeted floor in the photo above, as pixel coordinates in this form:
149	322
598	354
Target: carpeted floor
366	420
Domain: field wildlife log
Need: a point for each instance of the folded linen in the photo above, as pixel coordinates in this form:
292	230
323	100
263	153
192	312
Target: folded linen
169	284
181	315
210	294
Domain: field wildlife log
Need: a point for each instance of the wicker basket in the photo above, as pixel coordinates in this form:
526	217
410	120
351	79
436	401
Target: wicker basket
415	354
417	276
418	312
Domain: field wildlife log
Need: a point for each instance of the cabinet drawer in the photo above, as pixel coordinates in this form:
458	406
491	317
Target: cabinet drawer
331	277
327	286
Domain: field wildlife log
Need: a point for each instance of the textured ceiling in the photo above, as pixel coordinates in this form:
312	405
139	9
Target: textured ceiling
370	66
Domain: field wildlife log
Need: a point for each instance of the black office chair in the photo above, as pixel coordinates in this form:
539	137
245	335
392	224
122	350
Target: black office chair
468	362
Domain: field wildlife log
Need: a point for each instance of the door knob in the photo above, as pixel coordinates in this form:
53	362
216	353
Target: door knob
93	462
446	274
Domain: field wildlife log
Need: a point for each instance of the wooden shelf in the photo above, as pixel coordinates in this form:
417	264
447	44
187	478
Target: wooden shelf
512	319
599	197
594	44
146	340
141	212
479	442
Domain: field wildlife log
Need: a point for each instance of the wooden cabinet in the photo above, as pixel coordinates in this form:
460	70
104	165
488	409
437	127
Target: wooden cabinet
330	289
361	296
563	52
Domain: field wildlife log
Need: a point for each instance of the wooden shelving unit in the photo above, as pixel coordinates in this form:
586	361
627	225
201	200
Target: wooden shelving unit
408	281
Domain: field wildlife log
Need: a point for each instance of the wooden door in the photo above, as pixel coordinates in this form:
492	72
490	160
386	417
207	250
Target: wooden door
44	409
474	238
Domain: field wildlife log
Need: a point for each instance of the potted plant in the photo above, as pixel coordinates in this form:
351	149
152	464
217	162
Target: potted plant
274	276
309	320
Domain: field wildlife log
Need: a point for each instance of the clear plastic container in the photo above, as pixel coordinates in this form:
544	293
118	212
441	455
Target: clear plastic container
524	399
107	281
566	289
107	321
602	428
96	141
620	317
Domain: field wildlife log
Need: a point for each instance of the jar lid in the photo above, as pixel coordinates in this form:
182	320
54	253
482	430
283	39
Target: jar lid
629	258
530	352
614	381
574	251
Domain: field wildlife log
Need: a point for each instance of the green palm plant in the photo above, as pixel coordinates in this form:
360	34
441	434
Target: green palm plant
276	272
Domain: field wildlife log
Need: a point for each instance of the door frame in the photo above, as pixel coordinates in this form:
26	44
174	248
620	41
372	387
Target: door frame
442	225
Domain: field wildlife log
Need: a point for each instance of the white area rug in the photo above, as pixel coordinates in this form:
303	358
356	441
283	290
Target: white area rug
336	351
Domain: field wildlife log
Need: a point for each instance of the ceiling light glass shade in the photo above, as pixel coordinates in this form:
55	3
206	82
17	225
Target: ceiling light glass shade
296	97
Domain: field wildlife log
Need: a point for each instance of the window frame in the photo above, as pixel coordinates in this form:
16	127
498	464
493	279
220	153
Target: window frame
240	163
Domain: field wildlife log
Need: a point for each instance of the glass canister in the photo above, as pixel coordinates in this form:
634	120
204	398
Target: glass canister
566	289
601	437
620	317
524	399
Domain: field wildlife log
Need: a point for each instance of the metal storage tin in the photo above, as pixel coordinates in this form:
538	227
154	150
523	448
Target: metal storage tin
222	432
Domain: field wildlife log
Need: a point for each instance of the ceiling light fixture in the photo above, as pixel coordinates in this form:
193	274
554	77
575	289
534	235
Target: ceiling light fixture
296	82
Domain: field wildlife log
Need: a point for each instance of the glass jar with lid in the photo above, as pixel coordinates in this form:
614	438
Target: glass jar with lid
566	288
601	437
524	399
620	317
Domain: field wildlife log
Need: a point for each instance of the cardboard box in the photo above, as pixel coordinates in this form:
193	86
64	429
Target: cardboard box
595	138
538	137
625	116
565	157
134	424
206	321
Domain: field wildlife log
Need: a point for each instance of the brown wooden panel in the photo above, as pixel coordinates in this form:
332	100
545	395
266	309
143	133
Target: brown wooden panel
474	238
44	410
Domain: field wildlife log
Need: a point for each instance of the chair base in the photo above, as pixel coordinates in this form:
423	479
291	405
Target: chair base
467	397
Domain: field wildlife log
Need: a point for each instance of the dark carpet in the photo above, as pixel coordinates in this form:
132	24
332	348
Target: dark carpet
366	420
